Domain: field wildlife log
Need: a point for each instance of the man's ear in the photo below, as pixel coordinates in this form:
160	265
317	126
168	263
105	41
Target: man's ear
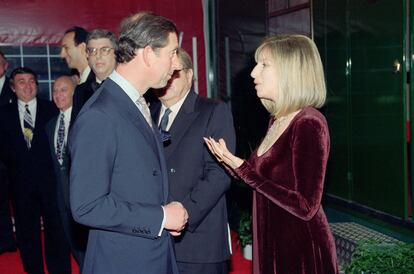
147	55
190	73
83	47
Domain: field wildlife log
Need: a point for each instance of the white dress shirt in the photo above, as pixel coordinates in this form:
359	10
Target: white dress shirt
84	75
67	114
2	80
174	111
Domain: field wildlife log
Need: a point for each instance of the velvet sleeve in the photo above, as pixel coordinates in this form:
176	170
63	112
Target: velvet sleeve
310	148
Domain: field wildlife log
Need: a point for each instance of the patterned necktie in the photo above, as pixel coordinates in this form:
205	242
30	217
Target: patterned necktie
28	126
164	120
144	109
60	141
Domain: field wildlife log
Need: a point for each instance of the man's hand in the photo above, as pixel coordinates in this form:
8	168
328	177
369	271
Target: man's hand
175	217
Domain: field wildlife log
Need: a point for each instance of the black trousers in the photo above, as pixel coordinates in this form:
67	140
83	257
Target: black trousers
6	226
29	205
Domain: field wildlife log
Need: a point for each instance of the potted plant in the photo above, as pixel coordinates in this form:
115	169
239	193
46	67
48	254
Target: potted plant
374	257
245	234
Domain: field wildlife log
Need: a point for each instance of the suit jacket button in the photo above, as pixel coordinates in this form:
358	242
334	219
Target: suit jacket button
172	170
154	173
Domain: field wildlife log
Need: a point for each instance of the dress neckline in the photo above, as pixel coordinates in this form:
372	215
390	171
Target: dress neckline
295	115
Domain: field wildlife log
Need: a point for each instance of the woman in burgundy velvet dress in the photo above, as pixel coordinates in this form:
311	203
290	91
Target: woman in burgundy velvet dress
290	231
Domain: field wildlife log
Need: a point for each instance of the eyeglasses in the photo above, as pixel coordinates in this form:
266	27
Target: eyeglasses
94	51
176	73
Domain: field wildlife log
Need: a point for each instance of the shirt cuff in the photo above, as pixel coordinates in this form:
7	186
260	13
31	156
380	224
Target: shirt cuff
163	222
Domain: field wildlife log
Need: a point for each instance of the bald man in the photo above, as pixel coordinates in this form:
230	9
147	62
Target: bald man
57	130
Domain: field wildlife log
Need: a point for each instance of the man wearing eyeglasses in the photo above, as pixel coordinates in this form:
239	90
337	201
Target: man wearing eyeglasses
57	130
100	50
101	46
195	178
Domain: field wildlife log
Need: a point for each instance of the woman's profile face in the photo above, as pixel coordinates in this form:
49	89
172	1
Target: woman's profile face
264	75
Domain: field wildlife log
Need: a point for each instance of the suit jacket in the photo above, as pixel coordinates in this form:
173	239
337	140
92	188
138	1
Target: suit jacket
27	169
197	180
61	171
118	182
7	96
76	234
82	93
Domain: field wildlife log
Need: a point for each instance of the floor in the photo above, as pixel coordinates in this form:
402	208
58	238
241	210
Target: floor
10	263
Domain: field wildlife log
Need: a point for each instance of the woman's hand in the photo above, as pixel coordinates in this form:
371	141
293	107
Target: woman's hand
222	154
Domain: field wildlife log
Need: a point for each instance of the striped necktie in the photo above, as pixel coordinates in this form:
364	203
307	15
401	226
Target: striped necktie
28	127
60	141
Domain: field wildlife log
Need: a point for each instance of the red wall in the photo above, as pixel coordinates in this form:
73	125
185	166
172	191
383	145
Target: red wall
44	21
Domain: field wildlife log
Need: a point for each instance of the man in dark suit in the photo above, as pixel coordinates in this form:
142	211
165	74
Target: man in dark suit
7	96
118	178
25	151
100	49
195	178
73	50
57	130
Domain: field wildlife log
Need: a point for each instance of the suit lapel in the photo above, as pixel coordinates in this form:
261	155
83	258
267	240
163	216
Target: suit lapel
50	131
182	122
130	112
7	95
40	120
16	124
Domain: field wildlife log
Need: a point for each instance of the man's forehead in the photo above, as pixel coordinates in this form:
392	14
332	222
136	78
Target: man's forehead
24	75
68	38
105	41
172	43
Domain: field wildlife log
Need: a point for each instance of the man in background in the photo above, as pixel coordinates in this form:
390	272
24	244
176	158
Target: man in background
73	50
195	178
118	178
25	151
57	130
100	49
7	96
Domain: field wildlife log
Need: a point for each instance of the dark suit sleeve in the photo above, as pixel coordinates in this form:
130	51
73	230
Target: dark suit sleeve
215	182
93	147
4	149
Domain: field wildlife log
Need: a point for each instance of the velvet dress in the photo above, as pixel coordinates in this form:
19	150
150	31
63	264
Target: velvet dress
290	231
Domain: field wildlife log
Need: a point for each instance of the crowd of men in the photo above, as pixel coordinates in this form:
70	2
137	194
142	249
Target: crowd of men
123	187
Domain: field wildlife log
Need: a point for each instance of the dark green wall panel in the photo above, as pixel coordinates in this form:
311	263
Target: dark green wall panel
366	106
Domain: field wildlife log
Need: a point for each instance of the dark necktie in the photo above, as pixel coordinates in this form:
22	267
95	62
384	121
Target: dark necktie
28	126
96	85
164	119
60	142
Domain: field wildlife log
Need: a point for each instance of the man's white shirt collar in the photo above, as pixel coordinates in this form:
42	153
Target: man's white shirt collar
126	86
2	80
84	75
